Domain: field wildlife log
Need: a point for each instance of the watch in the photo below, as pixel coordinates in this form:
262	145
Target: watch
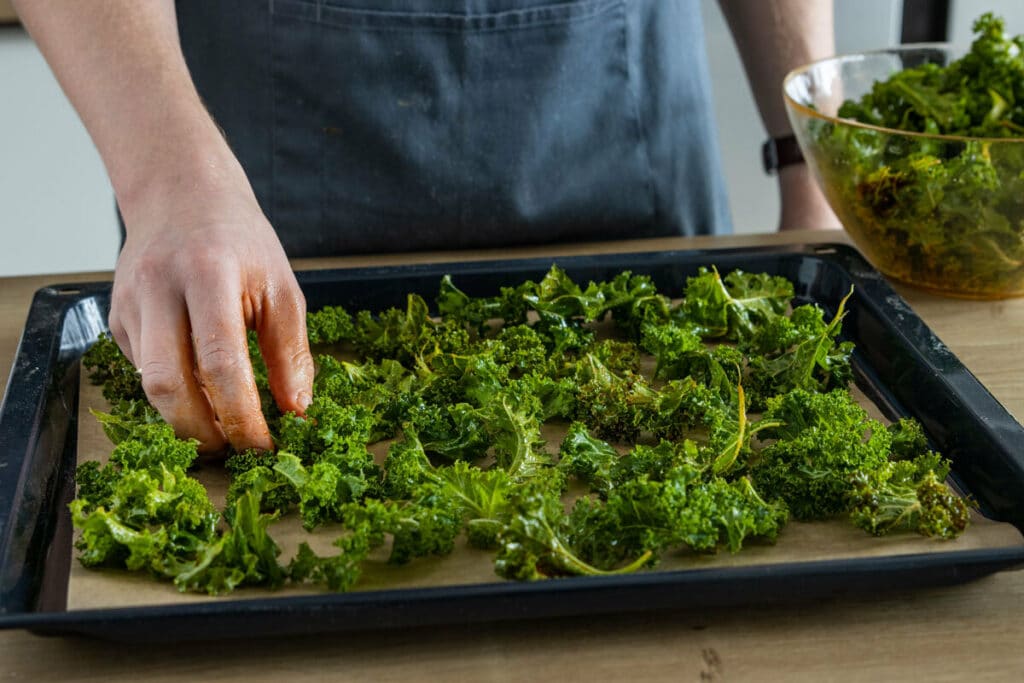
779	152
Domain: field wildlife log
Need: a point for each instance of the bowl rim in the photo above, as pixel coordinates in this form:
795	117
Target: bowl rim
857	56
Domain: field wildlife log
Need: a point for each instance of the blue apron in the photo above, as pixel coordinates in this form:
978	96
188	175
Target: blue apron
395	125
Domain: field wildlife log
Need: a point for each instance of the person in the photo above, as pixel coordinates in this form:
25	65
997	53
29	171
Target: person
375	125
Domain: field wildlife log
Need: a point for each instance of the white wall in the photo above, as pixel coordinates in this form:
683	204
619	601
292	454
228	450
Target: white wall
962	14
56	204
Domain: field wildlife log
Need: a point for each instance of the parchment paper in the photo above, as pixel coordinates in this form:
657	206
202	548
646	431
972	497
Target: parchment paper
798	542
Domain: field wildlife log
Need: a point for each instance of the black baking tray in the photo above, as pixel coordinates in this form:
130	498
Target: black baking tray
899	363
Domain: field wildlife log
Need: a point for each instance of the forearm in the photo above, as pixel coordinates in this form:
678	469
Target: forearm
773	38
120	63
201	263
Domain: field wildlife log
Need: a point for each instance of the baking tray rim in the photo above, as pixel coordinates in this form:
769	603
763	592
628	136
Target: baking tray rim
969	562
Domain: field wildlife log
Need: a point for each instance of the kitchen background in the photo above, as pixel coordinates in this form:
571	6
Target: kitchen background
57	208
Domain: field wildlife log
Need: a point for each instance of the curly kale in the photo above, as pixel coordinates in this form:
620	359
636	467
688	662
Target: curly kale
557	295
803	353
109	367
478	498
141	518
671	344
978	95
514	428
942	212
683	508
330	325
509	306
622	407
466	400
588	459
733	307
245	554
634	301
453	432
822	440
536	541
895	499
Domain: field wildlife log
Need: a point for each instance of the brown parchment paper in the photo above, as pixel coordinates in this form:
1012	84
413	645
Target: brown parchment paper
798	542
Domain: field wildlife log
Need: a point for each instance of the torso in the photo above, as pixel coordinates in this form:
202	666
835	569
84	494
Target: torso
384	126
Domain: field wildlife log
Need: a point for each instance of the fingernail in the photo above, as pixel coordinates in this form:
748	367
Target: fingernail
303	399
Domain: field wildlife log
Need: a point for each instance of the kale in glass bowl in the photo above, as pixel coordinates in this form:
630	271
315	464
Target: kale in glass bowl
920	151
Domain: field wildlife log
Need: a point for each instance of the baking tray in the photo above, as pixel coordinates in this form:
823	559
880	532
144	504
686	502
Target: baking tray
899	364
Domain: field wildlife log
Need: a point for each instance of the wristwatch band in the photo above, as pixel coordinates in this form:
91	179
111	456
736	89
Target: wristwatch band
777	153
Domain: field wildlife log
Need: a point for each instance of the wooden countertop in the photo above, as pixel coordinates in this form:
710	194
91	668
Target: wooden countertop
969	632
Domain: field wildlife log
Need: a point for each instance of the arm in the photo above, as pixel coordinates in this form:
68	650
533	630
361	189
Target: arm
200	264
774	37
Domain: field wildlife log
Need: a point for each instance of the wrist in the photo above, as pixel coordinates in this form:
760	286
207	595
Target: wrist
804	207
175	170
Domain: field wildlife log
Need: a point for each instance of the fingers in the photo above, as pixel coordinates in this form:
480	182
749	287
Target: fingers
120	335
285	347
192	353
223	367
164	358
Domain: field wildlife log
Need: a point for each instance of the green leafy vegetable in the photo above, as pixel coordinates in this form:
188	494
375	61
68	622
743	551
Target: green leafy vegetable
715	411
902	499
942	212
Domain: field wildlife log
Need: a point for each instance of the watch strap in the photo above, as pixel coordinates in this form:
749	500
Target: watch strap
777	153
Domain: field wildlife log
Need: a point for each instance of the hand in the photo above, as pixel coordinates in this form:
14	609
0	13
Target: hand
804	207
200	266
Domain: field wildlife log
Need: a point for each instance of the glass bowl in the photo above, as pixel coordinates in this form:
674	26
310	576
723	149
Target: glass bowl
944	213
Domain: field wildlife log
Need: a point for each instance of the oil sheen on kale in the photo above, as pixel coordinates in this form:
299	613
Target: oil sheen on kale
944	211
703	422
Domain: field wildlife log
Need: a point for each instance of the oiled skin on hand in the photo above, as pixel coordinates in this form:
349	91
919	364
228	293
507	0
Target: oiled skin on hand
201	264
188	284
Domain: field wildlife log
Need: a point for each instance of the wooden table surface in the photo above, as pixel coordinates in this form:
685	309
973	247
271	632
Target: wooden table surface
969	632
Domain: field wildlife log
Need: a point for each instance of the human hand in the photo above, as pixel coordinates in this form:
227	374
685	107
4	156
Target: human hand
201	265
